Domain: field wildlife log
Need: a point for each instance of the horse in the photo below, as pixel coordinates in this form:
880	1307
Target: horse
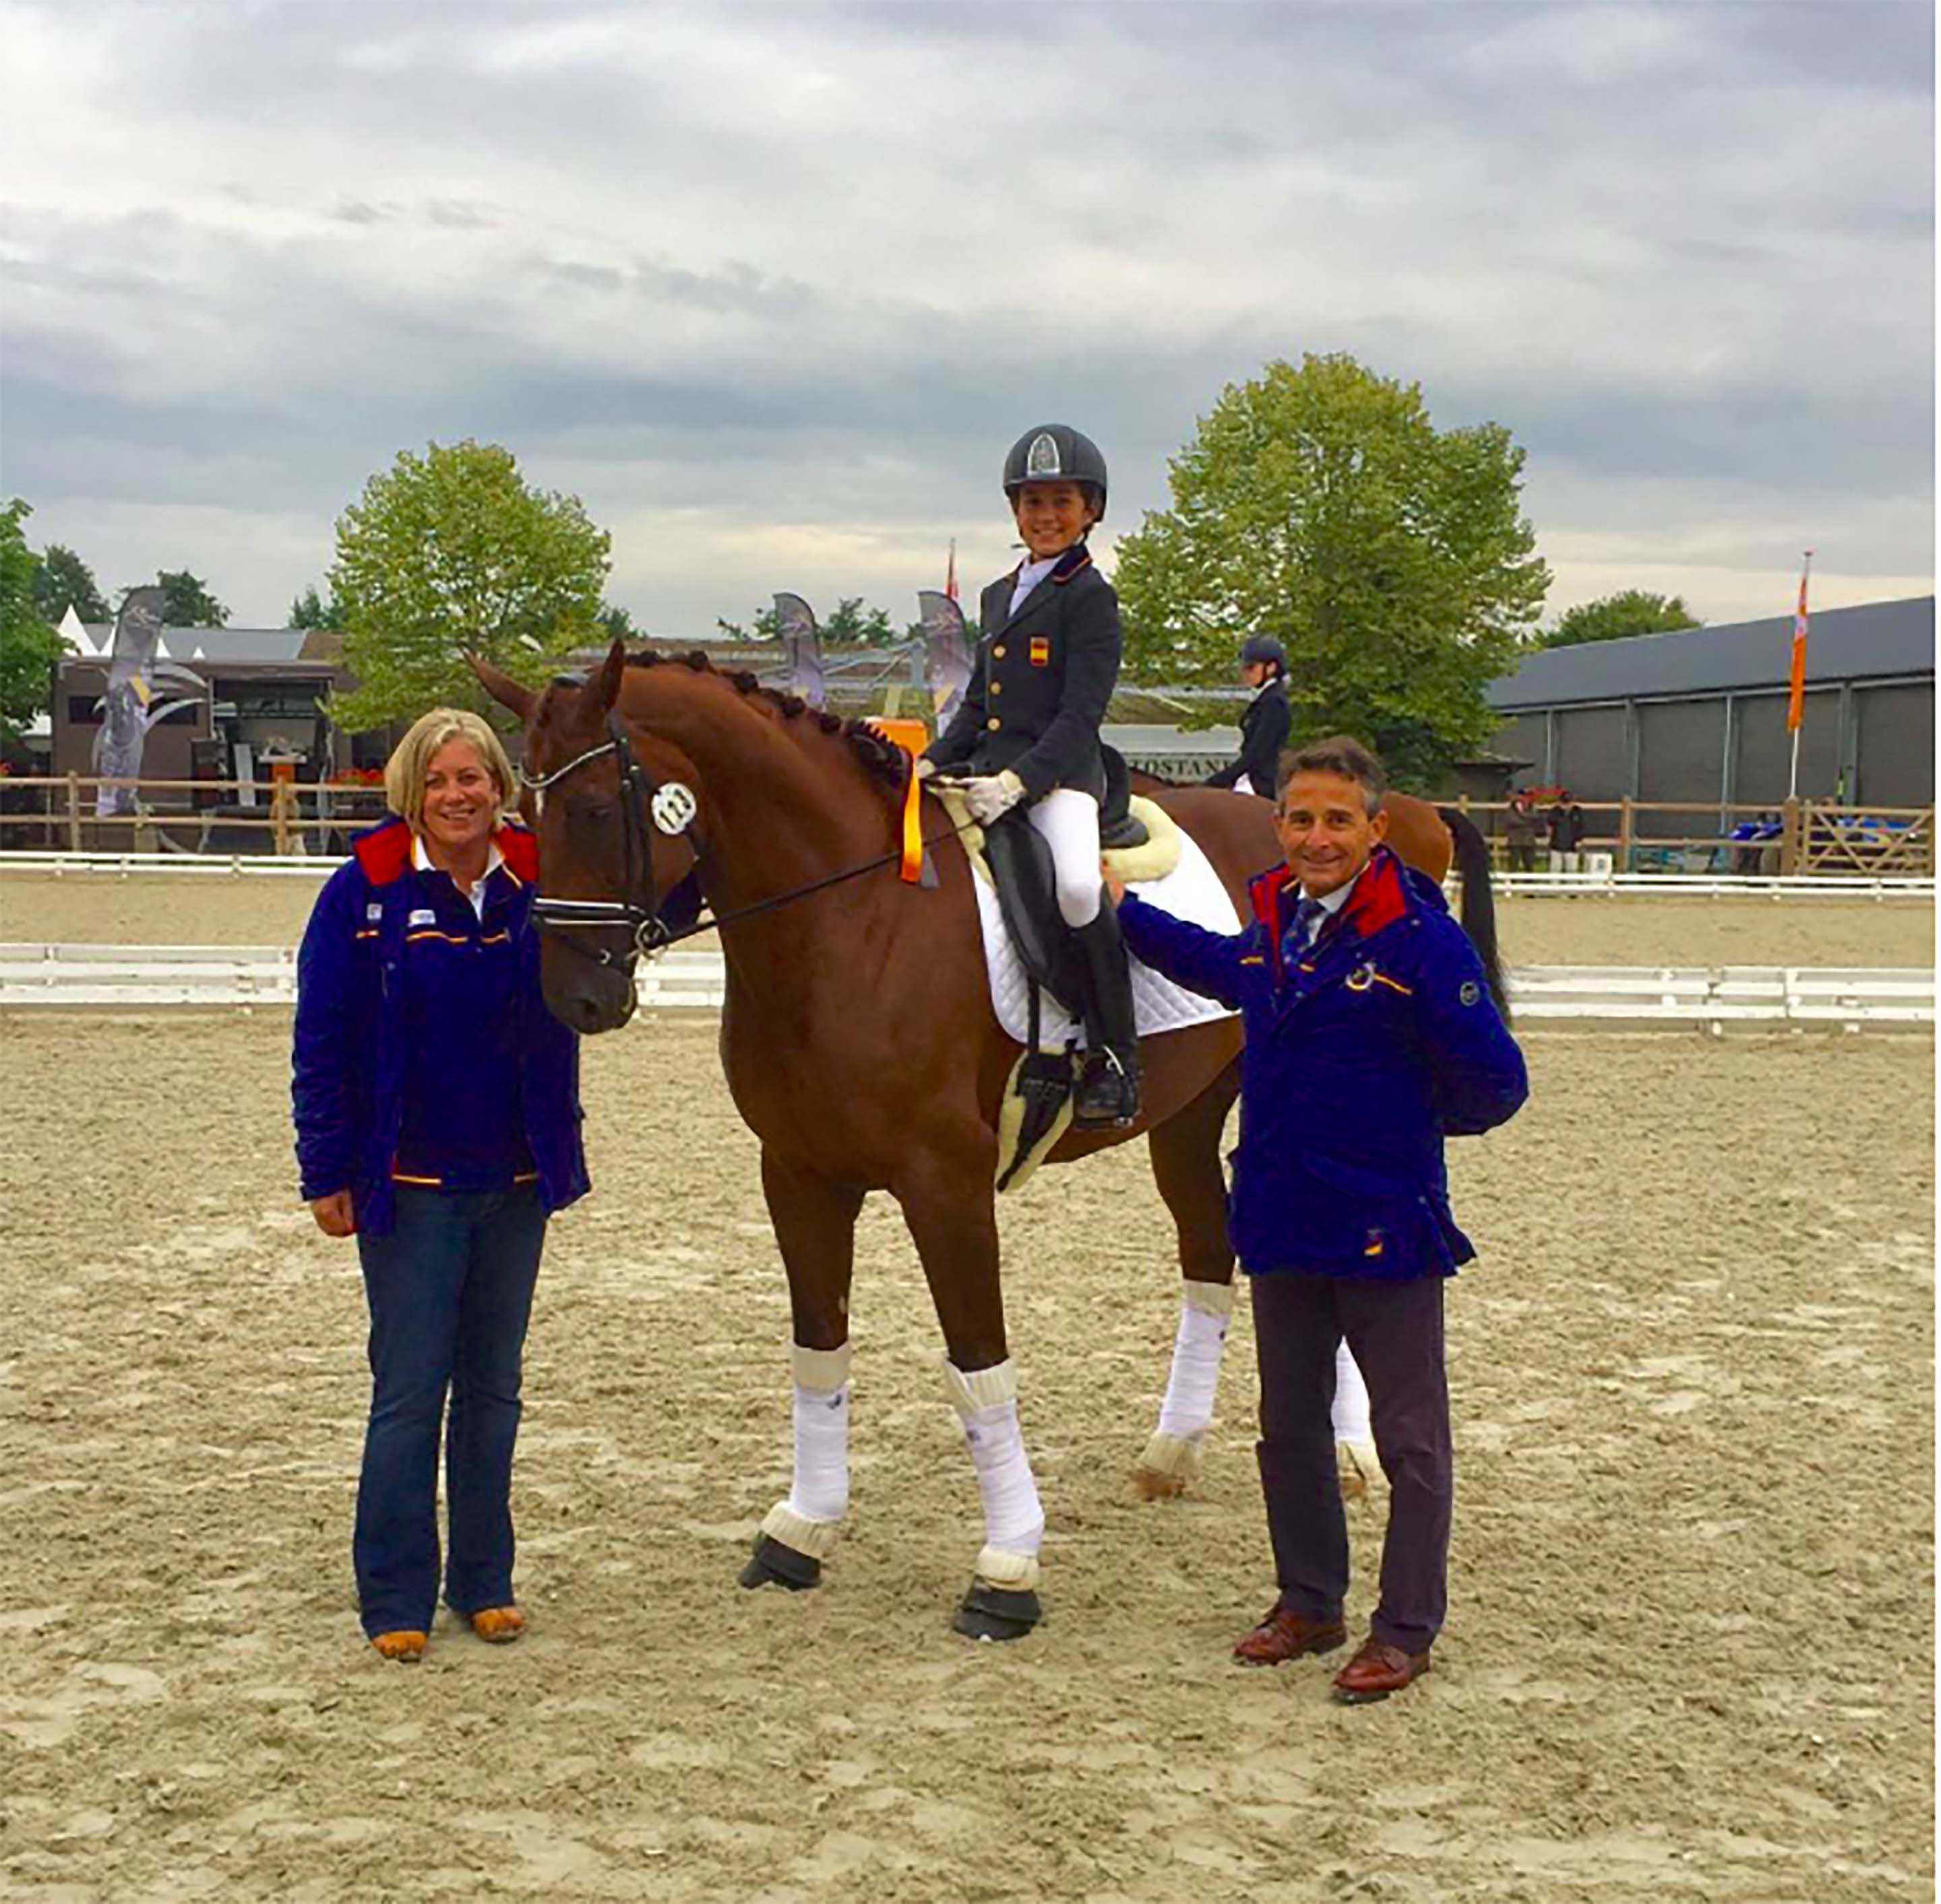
861	1047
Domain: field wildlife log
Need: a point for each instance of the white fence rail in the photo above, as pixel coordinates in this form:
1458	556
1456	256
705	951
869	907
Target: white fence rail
71	978
1573	885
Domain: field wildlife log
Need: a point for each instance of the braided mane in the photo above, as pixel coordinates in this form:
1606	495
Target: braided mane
883	759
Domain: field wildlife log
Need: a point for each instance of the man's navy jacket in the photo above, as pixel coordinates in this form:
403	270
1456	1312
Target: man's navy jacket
1380	1040
349	1084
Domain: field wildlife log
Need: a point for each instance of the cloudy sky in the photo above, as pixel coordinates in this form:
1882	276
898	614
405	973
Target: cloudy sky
772	288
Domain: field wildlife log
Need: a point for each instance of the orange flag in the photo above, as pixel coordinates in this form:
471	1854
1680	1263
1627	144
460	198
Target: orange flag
1796	707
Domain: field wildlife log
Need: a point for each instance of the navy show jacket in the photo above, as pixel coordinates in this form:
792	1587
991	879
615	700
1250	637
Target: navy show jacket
1039	681
1379	1041
348	1086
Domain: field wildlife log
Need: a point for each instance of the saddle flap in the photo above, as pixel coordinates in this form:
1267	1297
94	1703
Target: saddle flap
1021	870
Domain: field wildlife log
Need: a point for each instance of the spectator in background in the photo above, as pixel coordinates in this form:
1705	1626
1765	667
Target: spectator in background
1567	835
1520	830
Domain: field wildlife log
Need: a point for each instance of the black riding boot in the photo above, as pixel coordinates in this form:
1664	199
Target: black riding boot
1108	1082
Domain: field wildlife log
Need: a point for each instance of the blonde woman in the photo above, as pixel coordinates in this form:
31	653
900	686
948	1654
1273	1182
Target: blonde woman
437	1122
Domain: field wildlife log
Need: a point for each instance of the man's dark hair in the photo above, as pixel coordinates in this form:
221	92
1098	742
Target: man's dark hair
1346	759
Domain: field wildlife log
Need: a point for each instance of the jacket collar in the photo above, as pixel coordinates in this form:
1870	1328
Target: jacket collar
1072	564
385	851
1380	897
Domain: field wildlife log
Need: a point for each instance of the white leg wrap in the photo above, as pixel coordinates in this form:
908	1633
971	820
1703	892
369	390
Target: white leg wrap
1187	1410
1352	1420
819	1496
1014	1520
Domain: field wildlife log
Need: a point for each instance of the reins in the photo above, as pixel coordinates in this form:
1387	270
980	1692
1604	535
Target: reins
651	934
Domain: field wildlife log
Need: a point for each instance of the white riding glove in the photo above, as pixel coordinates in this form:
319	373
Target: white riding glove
992	795
925	766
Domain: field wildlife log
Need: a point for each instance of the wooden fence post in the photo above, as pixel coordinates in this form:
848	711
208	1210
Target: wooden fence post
1789	839
74	812
1624	830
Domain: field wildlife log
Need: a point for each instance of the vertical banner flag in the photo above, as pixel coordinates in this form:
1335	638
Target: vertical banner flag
802	644
946	652
1796	707
950	572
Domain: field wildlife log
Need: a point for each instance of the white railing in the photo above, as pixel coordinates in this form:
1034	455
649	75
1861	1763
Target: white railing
153	977
1574	885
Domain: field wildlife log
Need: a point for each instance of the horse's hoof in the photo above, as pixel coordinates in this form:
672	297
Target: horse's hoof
997	1612
1149	1484
772	1564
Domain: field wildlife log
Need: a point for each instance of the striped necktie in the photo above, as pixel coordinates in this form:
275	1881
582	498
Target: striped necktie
1307	917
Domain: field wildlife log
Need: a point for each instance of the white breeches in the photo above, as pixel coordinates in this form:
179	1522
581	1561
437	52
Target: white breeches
819	1495
987	1403
1352	1420
1069	822
1205	1314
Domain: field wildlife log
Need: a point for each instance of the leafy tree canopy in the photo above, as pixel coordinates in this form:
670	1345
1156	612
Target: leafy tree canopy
1610	617
1320	503
187	603
311	610
28	647
616	624
450	554
64	580
848	622
765	626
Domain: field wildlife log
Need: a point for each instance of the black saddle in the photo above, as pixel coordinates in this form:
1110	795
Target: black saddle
1117	828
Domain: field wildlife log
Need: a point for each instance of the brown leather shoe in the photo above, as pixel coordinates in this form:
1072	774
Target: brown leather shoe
1376	1671
1284	1635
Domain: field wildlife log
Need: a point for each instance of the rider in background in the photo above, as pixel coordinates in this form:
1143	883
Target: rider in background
1027	729
1265	725
437	1122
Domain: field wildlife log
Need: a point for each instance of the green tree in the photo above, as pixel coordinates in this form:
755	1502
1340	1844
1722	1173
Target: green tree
187	603
1321	504
1610	617
852	622
766	626
615	624
311	610
450	554
28	647
64	580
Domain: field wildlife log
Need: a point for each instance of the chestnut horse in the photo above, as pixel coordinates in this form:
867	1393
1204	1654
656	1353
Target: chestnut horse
861	1047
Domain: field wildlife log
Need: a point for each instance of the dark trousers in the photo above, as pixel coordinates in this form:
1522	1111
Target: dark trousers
450	1291
1394	1329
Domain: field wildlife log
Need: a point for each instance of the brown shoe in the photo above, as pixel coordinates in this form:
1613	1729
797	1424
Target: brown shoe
1284	1635
1376	1671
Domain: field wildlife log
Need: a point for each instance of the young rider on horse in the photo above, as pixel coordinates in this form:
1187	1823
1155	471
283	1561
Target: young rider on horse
1027	729
1265	725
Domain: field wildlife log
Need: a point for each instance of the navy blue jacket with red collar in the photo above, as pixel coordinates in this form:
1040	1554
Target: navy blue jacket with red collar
356	1028
1360	1057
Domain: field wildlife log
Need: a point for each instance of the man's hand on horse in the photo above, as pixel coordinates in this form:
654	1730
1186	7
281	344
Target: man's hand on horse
1115	887
991	795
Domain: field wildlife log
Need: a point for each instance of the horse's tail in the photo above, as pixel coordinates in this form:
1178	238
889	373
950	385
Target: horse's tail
1479	899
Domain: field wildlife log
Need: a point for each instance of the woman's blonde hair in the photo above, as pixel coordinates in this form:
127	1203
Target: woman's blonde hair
405	771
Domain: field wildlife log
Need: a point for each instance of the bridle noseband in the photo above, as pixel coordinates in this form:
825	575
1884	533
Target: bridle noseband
638	908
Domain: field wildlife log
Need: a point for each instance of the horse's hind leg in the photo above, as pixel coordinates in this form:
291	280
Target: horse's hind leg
815	1223
953	1221
1186	1166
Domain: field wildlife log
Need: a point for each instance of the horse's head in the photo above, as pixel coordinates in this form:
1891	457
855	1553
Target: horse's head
613	805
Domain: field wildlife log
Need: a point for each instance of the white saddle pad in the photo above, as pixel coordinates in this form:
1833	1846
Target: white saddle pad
1192	891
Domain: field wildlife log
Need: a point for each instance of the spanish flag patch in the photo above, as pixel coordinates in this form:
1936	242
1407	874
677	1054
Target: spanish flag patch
1040	651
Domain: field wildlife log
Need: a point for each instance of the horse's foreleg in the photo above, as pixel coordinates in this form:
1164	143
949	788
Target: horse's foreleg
815	1223
952	1220
1186	1166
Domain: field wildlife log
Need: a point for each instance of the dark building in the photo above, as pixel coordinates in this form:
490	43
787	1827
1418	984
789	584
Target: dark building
1700	716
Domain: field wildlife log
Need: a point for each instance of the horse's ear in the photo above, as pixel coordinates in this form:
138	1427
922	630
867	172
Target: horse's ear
502	688
606	683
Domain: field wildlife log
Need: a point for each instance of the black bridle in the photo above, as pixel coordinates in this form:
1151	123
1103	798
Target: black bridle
638	908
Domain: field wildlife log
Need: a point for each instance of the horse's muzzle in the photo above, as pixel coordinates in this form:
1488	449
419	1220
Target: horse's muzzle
587	998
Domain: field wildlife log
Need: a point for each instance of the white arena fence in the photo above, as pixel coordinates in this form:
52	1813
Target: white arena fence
149	978
1573	885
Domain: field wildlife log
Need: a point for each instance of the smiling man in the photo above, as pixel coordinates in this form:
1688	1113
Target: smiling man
1372	1035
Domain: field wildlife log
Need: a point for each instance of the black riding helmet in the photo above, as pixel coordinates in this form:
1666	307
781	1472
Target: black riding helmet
1055	453
1263	648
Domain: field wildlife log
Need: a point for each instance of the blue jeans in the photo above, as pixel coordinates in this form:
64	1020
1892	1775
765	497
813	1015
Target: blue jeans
449	1290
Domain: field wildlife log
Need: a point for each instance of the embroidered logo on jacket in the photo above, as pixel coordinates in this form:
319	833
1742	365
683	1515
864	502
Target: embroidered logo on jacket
1040	651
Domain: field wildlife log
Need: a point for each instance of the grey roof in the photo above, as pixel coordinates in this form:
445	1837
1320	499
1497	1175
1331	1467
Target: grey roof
1877	638
217	644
